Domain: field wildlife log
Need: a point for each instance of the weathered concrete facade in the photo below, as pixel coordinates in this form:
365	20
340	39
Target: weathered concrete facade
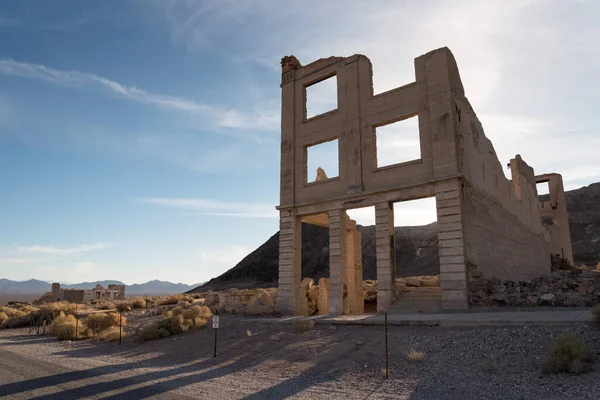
483	218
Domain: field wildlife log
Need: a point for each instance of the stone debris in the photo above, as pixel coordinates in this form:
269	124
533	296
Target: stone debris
567	286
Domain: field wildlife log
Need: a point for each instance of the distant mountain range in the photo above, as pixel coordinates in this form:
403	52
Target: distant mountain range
34	286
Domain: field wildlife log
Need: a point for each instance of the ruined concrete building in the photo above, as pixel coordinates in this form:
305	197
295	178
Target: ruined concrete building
113	292
487	224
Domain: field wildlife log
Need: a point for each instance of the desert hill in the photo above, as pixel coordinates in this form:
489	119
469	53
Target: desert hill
416	248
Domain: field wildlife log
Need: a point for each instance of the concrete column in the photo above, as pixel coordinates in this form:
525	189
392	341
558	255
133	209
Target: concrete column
337	260
386	258
453	275
355	270
290	264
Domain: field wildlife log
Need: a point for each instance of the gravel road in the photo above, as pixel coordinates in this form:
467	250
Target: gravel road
257	361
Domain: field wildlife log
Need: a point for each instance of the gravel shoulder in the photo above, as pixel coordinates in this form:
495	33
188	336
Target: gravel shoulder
257	360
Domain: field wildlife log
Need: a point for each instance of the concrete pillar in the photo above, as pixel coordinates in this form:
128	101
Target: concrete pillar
337	260
355	271
386	257
290	264
453	275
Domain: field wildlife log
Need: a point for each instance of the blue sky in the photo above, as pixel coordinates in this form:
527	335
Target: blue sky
140	139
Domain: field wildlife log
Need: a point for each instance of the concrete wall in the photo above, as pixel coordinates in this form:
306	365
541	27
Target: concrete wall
483	217
554	211
504	233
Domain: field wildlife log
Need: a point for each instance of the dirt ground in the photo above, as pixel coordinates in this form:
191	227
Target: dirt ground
262	360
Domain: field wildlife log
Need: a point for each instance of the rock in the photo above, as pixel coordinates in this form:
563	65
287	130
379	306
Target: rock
548	297
307	284
259	309
588	274
323	298
265	299
410	281
210	299
430	282
499	297
358	342
500	288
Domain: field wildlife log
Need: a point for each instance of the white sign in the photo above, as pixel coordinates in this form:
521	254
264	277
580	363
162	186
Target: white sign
215	321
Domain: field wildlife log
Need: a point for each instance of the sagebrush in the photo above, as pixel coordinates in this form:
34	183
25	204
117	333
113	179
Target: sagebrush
64	327
177	321
569	355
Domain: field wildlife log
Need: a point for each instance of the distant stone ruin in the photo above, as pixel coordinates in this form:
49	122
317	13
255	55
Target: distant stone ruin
113	292
498	227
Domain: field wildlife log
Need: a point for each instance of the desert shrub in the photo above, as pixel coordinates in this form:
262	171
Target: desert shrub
415	356
99	322
177	321
173	299
568	354
53	310
111	334
63	326
300	326
20	321
596	312
138	303
151	332
104	305
3	316
197	312
11	312
123	306
177	311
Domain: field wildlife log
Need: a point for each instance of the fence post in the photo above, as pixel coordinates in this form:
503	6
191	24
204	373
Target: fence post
76	322
386	347
120	326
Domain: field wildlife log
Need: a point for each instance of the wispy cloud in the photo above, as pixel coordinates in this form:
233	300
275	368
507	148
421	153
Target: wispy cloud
216	208
5	21
226	117
17	261
63	251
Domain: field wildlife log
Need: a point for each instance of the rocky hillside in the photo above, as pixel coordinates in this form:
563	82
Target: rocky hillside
416	248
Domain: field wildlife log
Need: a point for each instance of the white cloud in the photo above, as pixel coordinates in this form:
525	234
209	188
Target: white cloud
266	119
64	251
216	208
223	258
17	261
520	61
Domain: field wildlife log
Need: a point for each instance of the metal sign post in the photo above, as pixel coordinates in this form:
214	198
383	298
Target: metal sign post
215	321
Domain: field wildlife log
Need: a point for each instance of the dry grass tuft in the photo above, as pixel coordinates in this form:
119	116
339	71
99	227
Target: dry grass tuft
173	299
123	306
177	321
138	303
99	322
110	335
415	356
63	327
248	332
3	316
300	326
569	355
